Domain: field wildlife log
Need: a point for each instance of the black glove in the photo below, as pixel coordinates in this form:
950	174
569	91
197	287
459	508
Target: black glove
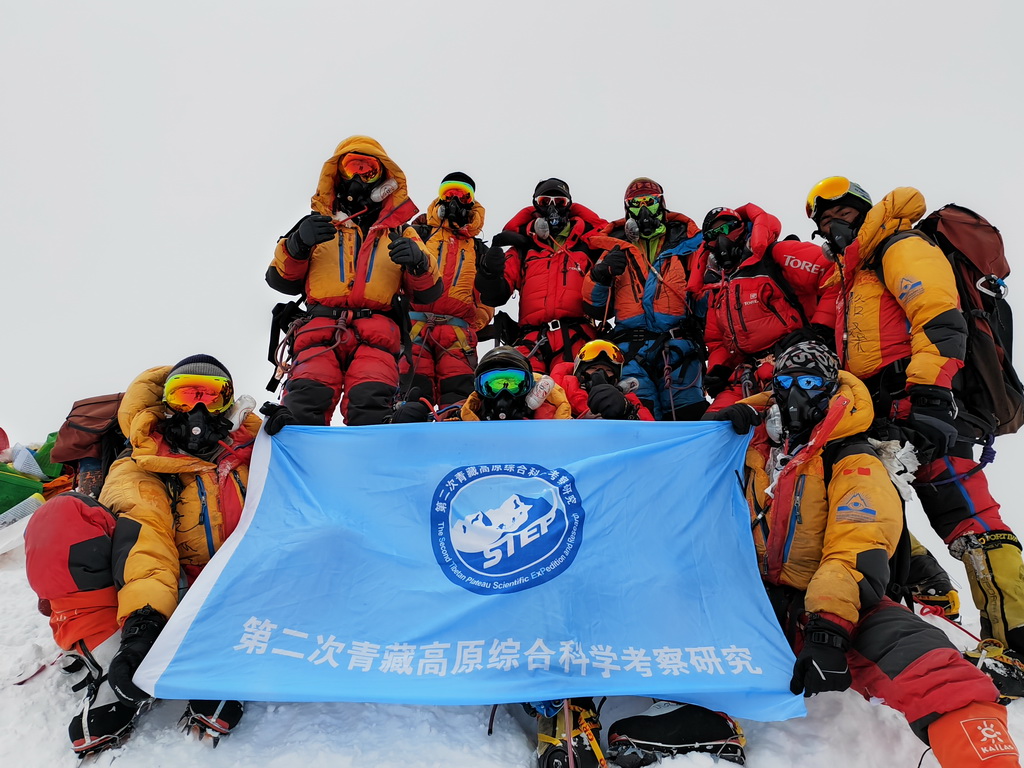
492	263
412	410
278	417
933	418
742	416
309	232
608	402
406	253
717	380
821	665
138	634
509	238
611	265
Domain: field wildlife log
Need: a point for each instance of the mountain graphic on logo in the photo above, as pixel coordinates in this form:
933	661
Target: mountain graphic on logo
482	530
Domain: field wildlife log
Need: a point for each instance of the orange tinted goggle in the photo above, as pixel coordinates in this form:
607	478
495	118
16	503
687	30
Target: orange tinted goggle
456	190
826	190
594	349
185	391
365	167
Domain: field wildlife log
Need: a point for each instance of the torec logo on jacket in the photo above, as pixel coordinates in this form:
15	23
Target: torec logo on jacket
505	528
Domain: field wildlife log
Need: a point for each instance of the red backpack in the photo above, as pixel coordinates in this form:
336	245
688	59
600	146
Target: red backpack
988	385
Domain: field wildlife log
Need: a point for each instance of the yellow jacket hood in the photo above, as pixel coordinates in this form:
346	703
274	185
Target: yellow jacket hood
323	201
898	211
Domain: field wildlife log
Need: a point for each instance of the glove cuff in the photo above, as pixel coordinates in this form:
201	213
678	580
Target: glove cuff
296	248
822	631
930	396
142	625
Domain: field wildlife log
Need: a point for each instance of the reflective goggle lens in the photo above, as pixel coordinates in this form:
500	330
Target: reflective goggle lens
545	200
187	390
594	349
493	383
826	190
725	228
365	167
648	201
803	381
456	190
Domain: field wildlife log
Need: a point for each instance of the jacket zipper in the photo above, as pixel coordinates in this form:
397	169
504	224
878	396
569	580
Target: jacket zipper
794	516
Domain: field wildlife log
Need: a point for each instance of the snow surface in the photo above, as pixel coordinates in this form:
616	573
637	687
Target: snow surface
840	731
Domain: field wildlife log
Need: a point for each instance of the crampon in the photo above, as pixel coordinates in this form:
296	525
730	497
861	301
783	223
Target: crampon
1003	666
553	747
669	728
211	720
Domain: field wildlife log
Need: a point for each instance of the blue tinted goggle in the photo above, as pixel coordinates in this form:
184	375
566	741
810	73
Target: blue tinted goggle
803	381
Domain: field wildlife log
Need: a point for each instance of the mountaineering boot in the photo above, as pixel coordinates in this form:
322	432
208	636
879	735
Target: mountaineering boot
929	583
974	736
104	721
668	728
996	574
552	751
211	719
1005	668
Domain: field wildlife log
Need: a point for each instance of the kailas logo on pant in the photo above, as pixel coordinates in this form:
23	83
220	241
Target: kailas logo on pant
988	737
505	527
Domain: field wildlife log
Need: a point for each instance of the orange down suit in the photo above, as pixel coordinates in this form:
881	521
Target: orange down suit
347	347
444	330
824	538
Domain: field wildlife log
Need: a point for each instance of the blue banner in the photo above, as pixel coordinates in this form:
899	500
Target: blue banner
486	562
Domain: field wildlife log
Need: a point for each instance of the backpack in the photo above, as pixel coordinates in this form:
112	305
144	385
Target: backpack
91	432
988	385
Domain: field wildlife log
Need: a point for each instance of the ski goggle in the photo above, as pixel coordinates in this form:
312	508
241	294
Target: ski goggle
365	167
545	200
725	228
457	190
185	391
829	190
512	380
804	381
594	349
647	201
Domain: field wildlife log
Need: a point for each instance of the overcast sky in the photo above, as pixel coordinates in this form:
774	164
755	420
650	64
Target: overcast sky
153	153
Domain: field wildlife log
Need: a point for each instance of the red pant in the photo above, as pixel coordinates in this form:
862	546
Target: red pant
561	345
443	361
354	362
959	507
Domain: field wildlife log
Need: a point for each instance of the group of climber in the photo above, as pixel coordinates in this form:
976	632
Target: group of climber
647	318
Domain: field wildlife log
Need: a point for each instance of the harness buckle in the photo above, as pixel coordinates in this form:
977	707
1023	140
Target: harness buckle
554	325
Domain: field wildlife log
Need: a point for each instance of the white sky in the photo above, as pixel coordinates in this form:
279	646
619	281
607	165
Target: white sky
153	153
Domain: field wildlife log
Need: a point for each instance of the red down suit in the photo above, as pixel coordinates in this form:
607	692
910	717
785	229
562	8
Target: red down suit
548	273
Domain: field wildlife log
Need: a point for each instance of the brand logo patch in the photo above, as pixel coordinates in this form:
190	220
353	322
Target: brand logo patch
854	508
505	528
988	737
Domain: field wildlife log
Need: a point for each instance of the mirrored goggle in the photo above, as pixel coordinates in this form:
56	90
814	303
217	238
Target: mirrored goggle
365	167
513	380
594	349
725	228
825	191
803	381
647	201
545	200
456	190
187	390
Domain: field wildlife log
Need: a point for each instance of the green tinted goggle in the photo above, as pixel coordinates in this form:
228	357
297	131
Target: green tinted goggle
511	380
